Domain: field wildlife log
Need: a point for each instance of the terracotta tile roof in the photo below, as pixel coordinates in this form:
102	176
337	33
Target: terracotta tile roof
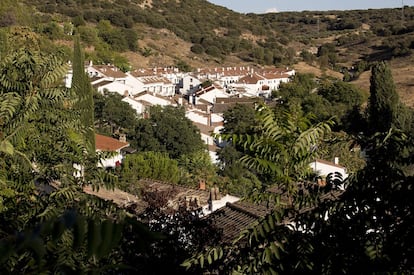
154	71
104	143
138	206
250	79
116	195
204	129
232	219
154	79
275	75
142	72
110	71
180	192
102	83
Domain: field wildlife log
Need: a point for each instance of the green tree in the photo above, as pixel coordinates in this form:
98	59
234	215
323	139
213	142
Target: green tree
112	114
239	120
364	229
32	99
328	51
168	130
342	98
197	166
83	92
151	165
47	223
282	148
383	100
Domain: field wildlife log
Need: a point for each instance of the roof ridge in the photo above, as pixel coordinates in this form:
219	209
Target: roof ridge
243	210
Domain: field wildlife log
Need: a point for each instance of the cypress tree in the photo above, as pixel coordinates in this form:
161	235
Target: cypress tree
383	104
84	97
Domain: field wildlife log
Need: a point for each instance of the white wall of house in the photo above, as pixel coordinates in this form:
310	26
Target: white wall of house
251	89
68	79
154	87
189	84
216	118
211	96
154	100
226	80
92	72
197	117
136	85
136	105
274	83
116	87
323	168
111	162
175	78
217	204
168	89
213	156
158	85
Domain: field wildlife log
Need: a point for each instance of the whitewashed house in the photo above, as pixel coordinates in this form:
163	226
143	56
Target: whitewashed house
188	84
324	168
141	101
153	83
230	75
208	124
263	83
252	83
108	144
112	79
113	87
109	72
210	93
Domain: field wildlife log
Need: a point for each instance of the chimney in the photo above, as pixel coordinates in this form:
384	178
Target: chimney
202	185
212	194
336	160
215	194
122	138
322	182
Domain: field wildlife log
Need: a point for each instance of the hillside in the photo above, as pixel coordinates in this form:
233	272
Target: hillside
194	33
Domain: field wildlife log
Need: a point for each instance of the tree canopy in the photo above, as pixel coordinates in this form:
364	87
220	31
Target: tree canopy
168	130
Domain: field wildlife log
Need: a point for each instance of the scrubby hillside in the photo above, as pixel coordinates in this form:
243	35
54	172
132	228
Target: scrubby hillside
194	33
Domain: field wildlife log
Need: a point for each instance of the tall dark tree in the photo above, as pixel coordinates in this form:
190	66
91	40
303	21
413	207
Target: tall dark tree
83	92
46	229
383	101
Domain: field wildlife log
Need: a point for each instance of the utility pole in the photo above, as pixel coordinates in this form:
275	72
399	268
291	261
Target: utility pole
318	26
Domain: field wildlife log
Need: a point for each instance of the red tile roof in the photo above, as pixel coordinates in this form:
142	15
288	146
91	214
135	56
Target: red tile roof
251	79
110	71
104	143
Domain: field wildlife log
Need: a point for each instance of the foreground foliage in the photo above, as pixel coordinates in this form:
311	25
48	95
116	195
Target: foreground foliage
363	229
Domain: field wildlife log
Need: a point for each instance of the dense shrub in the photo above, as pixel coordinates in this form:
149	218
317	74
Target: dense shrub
197	49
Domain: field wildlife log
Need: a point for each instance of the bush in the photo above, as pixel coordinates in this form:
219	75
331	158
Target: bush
87	34
213	51
197	49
